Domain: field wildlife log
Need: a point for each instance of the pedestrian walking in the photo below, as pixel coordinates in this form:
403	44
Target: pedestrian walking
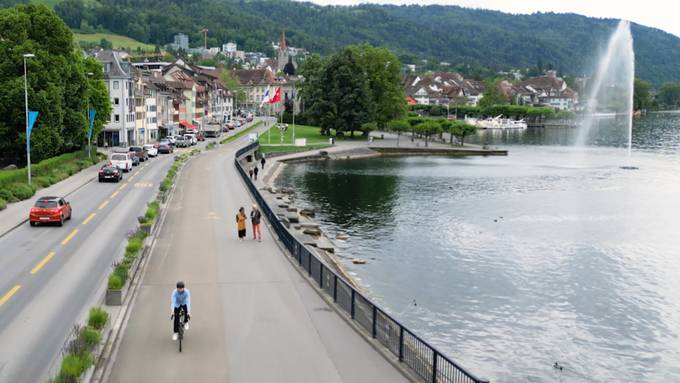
251	174
255	171
241	223
262	161
255	218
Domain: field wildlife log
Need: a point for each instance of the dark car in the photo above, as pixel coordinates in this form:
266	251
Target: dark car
140	152
164	148
109	172
50	209
200	136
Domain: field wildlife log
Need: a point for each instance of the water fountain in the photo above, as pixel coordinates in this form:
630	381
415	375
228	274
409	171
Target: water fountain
611	90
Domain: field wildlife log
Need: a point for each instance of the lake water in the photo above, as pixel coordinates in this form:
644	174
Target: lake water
510	264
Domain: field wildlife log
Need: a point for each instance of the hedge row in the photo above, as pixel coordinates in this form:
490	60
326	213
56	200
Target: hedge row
14	185
79	350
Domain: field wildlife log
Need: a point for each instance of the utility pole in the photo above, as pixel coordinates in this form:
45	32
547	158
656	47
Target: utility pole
205	37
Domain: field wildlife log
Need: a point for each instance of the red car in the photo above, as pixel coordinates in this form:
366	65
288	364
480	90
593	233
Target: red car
200	136
49	210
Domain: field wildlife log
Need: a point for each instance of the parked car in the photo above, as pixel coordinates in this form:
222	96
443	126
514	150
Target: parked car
171	139
110	172
50	210
140	152
249	117
192	139
182	142
122	161
151	149
200	136
164	147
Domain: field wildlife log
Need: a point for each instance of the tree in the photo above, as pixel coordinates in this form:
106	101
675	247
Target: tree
399	127
310	90
428	128
669	95
642	98
233	84
58	87
492	95
345	99
382	70
461	130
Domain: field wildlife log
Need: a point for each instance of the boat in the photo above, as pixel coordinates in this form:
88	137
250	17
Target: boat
497	122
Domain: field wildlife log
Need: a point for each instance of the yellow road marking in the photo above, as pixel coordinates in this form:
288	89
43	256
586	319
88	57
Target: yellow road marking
89	218
6	297
70	236
114	194
123	186
43	262
103	205
130	178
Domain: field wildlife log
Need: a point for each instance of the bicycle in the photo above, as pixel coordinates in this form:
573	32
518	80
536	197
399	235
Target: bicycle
180	330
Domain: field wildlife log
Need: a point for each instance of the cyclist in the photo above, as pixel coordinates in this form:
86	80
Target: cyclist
180	299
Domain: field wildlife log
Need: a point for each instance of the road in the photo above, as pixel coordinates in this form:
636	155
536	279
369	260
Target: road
254	318
49	276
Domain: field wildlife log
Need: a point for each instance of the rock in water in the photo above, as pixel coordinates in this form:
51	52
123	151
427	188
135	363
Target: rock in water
358	261
342	236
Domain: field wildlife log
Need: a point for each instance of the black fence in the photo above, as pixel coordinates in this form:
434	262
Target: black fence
413	352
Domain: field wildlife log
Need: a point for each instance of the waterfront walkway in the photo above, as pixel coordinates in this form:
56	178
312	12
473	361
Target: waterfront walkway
254	317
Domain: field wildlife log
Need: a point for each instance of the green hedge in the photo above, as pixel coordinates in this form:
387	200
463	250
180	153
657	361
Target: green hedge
97	318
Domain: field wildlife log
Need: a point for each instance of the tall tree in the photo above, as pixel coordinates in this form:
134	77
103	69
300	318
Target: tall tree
642	98
492	95
234	86
310	90
669	95
382	70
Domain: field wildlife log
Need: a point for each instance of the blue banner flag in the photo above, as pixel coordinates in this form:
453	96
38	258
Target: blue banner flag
32	117
91	114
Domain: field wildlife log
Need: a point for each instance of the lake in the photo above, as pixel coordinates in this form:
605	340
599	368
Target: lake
510	264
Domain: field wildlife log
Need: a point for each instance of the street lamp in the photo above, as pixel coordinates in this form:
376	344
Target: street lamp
28	146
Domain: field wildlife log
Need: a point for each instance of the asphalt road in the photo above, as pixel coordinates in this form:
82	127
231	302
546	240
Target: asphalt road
50	275
254	318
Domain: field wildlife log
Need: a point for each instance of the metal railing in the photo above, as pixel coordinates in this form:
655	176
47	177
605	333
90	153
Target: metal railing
413	352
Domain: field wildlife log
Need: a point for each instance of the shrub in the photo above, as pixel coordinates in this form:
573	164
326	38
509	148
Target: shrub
21	191
90	337
7	195
134	245
115	282
74	365
3	204
97	318
42	181
151	212
165	186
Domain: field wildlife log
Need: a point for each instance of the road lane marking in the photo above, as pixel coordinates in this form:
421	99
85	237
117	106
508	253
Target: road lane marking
43	262
103	205
6	297
123	187
131	177
114	194
70	236
89	218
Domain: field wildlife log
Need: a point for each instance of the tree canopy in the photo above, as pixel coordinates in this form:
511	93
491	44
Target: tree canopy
58	85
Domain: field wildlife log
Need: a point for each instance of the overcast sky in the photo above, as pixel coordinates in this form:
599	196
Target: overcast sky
662	14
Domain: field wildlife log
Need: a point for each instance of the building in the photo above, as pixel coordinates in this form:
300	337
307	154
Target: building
182	41
442	88
283	55
119	78
229	48
256	82
548	90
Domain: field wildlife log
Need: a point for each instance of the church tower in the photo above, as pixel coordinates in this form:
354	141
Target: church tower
282	59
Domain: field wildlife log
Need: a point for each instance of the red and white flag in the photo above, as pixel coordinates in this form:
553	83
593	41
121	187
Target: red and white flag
276	97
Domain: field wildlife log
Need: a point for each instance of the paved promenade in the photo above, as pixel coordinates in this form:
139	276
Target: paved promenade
255	319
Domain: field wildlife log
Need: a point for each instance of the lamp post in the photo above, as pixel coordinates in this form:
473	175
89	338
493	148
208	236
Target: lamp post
87	117
28	145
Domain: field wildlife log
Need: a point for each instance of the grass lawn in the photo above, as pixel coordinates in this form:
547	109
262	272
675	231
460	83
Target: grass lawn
311	133
118	41
289	148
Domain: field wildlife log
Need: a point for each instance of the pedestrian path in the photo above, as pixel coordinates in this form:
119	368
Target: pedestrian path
254	317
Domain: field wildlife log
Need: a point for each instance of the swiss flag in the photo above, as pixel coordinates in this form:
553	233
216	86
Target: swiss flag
276	97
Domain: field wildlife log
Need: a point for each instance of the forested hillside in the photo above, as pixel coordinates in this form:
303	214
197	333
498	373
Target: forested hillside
458	35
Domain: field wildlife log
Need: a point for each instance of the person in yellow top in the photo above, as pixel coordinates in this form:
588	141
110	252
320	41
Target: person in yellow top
241	223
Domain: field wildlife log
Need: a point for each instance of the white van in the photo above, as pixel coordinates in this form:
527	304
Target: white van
122	161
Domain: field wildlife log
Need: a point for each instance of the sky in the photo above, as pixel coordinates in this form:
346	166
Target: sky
661	14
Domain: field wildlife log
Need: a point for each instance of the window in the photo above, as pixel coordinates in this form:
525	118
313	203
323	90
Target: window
116	85
116	101
116	118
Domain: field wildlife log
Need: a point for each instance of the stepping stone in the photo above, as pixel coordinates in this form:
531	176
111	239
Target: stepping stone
358	261
292	217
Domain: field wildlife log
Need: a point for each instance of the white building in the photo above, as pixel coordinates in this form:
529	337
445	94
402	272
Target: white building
119	78
229	47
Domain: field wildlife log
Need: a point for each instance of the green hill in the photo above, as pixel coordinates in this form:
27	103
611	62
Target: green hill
118	41
457	35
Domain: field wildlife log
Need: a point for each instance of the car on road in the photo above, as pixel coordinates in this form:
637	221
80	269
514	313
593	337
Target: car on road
182	142
110	172
50	210
200	136
170	139
192	139
165	148
140	152
122	161
151	149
